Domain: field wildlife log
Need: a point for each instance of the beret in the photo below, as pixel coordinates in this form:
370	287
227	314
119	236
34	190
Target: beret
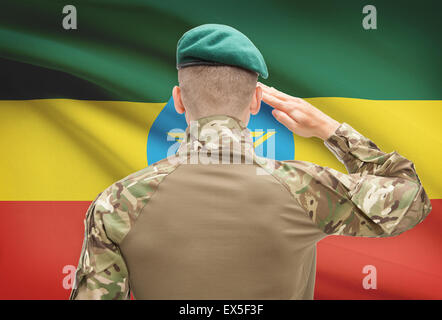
217	44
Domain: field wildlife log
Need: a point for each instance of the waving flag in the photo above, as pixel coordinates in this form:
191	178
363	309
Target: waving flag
82	108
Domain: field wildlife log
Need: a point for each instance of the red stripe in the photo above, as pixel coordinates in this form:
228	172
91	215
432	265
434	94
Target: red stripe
408	266
39	238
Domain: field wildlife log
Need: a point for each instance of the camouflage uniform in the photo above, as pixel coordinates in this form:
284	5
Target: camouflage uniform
239	245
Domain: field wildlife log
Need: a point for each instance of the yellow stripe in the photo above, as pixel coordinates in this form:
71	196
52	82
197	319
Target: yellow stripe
263	138
412	128
60	149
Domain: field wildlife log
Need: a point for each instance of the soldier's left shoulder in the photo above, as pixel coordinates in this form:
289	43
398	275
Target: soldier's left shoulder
156	170
141	184
121	203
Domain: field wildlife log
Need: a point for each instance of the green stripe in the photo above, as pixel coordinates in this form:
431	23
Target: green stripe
312	48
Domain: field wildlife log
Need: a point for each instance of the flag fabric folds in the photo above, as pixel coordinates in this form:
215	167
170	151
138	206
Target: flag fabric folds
83	108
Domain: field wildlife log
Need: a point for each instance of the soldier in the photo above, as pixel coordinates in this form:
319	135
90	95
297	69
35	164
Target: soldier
204	229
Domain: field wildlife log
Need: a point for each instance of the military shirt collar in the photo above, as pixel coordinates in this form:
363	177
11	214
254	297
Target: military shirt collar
217	133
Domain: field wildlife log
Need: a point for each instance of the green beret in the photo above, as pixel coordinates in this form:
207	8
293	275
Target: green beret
217	44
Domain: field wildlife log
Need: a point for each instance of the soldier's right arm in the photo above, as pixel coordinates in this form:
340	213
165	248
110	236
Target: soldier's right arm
381	196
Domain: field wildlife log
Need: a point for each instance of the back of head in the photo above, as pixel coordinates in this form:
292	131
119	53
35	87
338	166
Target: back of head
216	89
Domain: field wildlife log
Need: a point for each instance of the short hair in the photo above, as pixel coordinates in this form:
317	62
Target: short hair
212	90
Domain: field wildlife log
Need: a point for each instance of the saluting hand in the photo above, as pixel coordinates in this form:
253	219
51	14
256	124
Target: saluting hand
298	115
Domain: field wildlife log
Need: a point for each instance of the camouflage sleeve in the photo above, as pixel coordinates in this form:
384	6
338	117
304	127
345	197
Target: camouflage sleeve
361	155
381	196
102	273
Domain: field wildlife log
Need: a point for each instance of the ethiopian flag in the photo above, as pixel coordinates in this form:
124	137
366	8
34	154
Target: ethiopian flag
84	106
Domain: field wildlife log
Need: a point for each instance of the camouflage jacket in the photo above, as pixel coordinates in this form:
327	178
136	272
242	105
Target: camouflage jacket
380	196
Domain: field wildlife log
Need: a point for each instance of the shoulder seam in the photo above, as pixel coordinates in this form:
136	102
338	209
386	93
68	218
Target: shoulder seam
153	194
281	181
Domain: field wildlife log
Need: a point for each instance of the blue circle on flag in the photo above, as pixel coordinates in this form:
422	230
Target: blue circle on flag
271	138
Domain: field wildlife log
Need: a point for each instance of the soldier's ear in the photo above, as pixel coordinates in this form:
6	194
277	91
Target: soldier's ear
255	105
176	94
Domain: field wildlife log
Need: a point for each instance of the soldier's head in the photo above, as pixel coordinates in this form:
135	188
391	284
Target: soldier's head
213	90
218	69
